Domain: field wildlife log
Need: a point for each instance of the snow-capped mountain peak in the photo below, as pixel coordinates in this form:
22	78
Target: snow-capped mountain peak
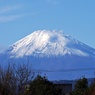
48	43
52	53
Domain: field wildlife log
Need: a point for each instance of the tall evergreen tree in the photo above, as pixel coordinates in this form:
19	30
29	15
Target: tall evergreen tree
80	87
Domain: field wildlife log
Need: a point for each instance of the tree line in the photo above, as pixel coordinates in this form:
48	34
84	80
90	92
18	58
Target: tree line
21	80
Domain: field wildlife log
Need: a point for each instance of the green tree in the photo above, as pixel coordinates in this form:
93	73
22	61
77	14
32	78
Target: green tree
80	87
41	86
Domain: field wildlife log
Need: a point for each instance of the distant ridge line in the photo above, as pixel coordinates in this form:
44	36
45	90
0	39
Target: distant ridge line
67	70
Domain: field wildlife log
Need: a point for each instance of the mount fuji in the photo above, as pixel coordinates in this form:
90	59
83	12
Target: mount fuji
54	54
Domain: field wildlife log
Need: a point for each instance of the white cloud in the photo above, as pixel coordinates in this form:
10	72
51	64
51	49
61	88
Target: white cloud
6	13
9	18
6	9
12	13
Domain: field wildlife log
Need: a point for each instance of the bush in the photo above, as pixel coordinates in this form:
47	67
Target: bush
41	86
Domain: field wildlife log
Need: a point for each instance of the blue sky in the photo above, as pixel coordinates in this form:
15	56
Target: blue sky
18	18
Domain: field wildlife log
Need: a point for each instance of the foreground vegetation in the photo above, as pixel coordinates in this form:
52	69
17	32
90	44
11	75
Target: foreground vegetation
82	88
21	80
13	79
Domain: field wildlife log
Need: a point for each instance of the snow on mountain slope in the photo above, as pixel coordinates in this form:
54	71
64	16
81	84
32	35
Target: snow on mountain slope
48	43
53	53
